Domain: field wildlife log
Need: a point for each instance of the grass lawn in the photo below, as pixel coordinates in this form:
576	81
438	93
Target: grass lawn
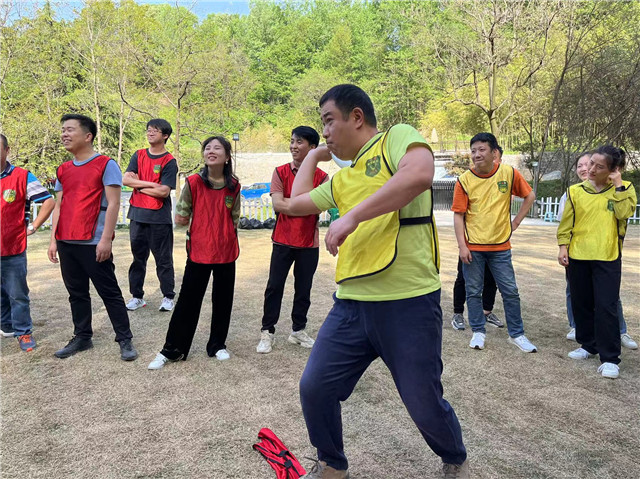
523	415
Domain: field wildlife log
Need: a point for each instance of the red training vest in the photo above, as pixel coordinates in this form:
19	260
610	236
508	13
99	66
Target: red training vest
295	231
14	197
149	169
81	195
212	236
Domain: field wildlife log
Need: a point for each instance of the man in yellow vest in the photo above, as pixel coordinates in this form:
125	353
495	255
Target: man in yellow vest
388	300
483	226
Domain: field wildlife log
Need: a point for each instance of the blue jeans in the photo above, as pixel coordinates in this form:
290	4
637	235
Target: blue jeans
499	263
572	322
16	316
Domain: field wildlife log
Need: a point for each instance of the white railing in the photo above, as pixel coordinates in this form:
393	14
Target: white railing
258	208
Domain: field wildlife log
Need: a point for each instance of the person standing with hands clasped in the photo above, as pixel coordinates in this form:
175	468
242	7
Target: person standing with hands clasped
590	237
210	205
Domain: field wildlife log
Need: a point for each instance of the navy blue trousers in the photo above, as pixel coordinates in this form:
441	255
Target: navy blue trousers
407	335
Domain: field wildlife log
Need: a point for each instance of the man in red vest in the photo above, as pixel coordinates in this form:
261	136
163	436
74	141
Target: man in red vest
84	219
295	240
152	174
19	188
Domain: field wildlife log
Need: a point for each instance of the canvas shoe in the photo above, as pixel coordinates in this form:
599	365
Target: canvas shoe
455	471
136	303
524	344
609	370
580	354
7	334
321	470
27	343
166	305
160	360
571	335
127	351
74	346
457	321
493	320
222	355
301	338
628	342
266	343
477	341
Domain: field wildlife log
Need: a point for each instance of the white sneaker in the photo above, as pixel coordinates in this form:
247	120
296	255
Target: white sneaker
609	370
477	341
628	342
6	335
267	340
571	335
580	354
136	303
301	338
222	355
160	360
524	344
166	305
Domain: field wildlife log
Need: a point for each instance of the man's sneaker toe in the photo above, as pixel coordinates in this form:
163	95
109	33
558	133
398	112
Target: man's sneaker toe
127	351
301	338
136	303
457	321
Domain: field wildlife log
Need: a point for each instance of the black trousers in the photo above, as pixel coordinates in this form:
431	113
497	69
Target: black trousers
305	261
157	239
595	289
488	291
186	314
78	265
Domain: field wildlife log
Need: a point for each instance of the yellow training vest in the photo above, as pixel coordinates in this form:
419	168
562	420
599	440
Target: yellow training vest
488	217
372	247
597	234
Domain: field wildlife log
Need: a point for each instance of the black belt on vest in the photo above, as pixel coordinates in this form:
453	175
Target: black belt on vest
418	220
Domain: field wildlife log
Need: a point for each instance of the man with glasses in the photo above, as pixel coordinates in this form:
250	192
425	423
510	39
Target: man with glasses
152	174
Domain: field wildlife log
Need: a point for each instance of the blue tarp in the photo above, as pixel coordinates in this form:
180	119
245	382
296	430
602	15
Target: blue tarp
255	190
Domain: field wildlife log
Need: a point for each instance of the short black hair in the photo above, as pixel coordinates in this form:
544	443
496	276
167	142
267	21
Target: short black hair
163	125
307	133
485	138
86	123
500	150
347	97
615	157
5	143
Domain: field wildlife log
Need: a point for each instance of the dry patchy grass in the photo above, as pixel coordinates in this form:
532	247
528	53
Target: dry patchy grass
523	416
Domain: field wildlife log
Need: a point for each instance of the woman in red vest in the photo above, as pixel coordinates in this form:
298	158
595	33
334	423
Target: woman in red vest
210	201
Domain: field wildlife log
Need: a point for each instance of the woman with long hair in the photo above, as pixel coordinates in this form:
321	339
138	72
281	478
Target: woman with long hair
590	238
210	205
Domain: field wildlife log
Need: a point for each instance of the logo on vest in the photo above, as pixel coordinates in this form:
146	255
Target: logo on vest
373	166
9	195
228	201
610	205
502	186
156	169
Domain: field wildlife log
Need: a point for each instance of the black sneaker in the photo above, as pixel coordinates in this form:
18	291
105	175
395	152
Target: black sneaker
493	320
74	346
127	351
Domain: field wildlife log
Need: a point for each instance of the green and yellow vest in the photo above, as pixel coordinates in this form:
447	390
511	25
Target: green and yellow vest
372	247
488	217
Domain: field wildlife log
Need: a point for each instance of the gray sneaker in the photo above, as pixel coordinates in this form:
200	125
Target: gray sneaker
454	471
127	351
458	321
493	320
320	470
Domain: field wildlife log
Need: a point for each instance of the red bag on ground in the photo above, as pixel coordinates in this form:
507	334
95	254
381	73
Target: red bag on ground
278	456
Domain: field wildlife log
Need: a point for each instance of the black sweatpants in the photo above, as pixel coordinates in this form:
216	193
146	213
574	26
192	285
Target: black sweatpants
305	261
186	314
595	289
157	239
78	265
488	291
